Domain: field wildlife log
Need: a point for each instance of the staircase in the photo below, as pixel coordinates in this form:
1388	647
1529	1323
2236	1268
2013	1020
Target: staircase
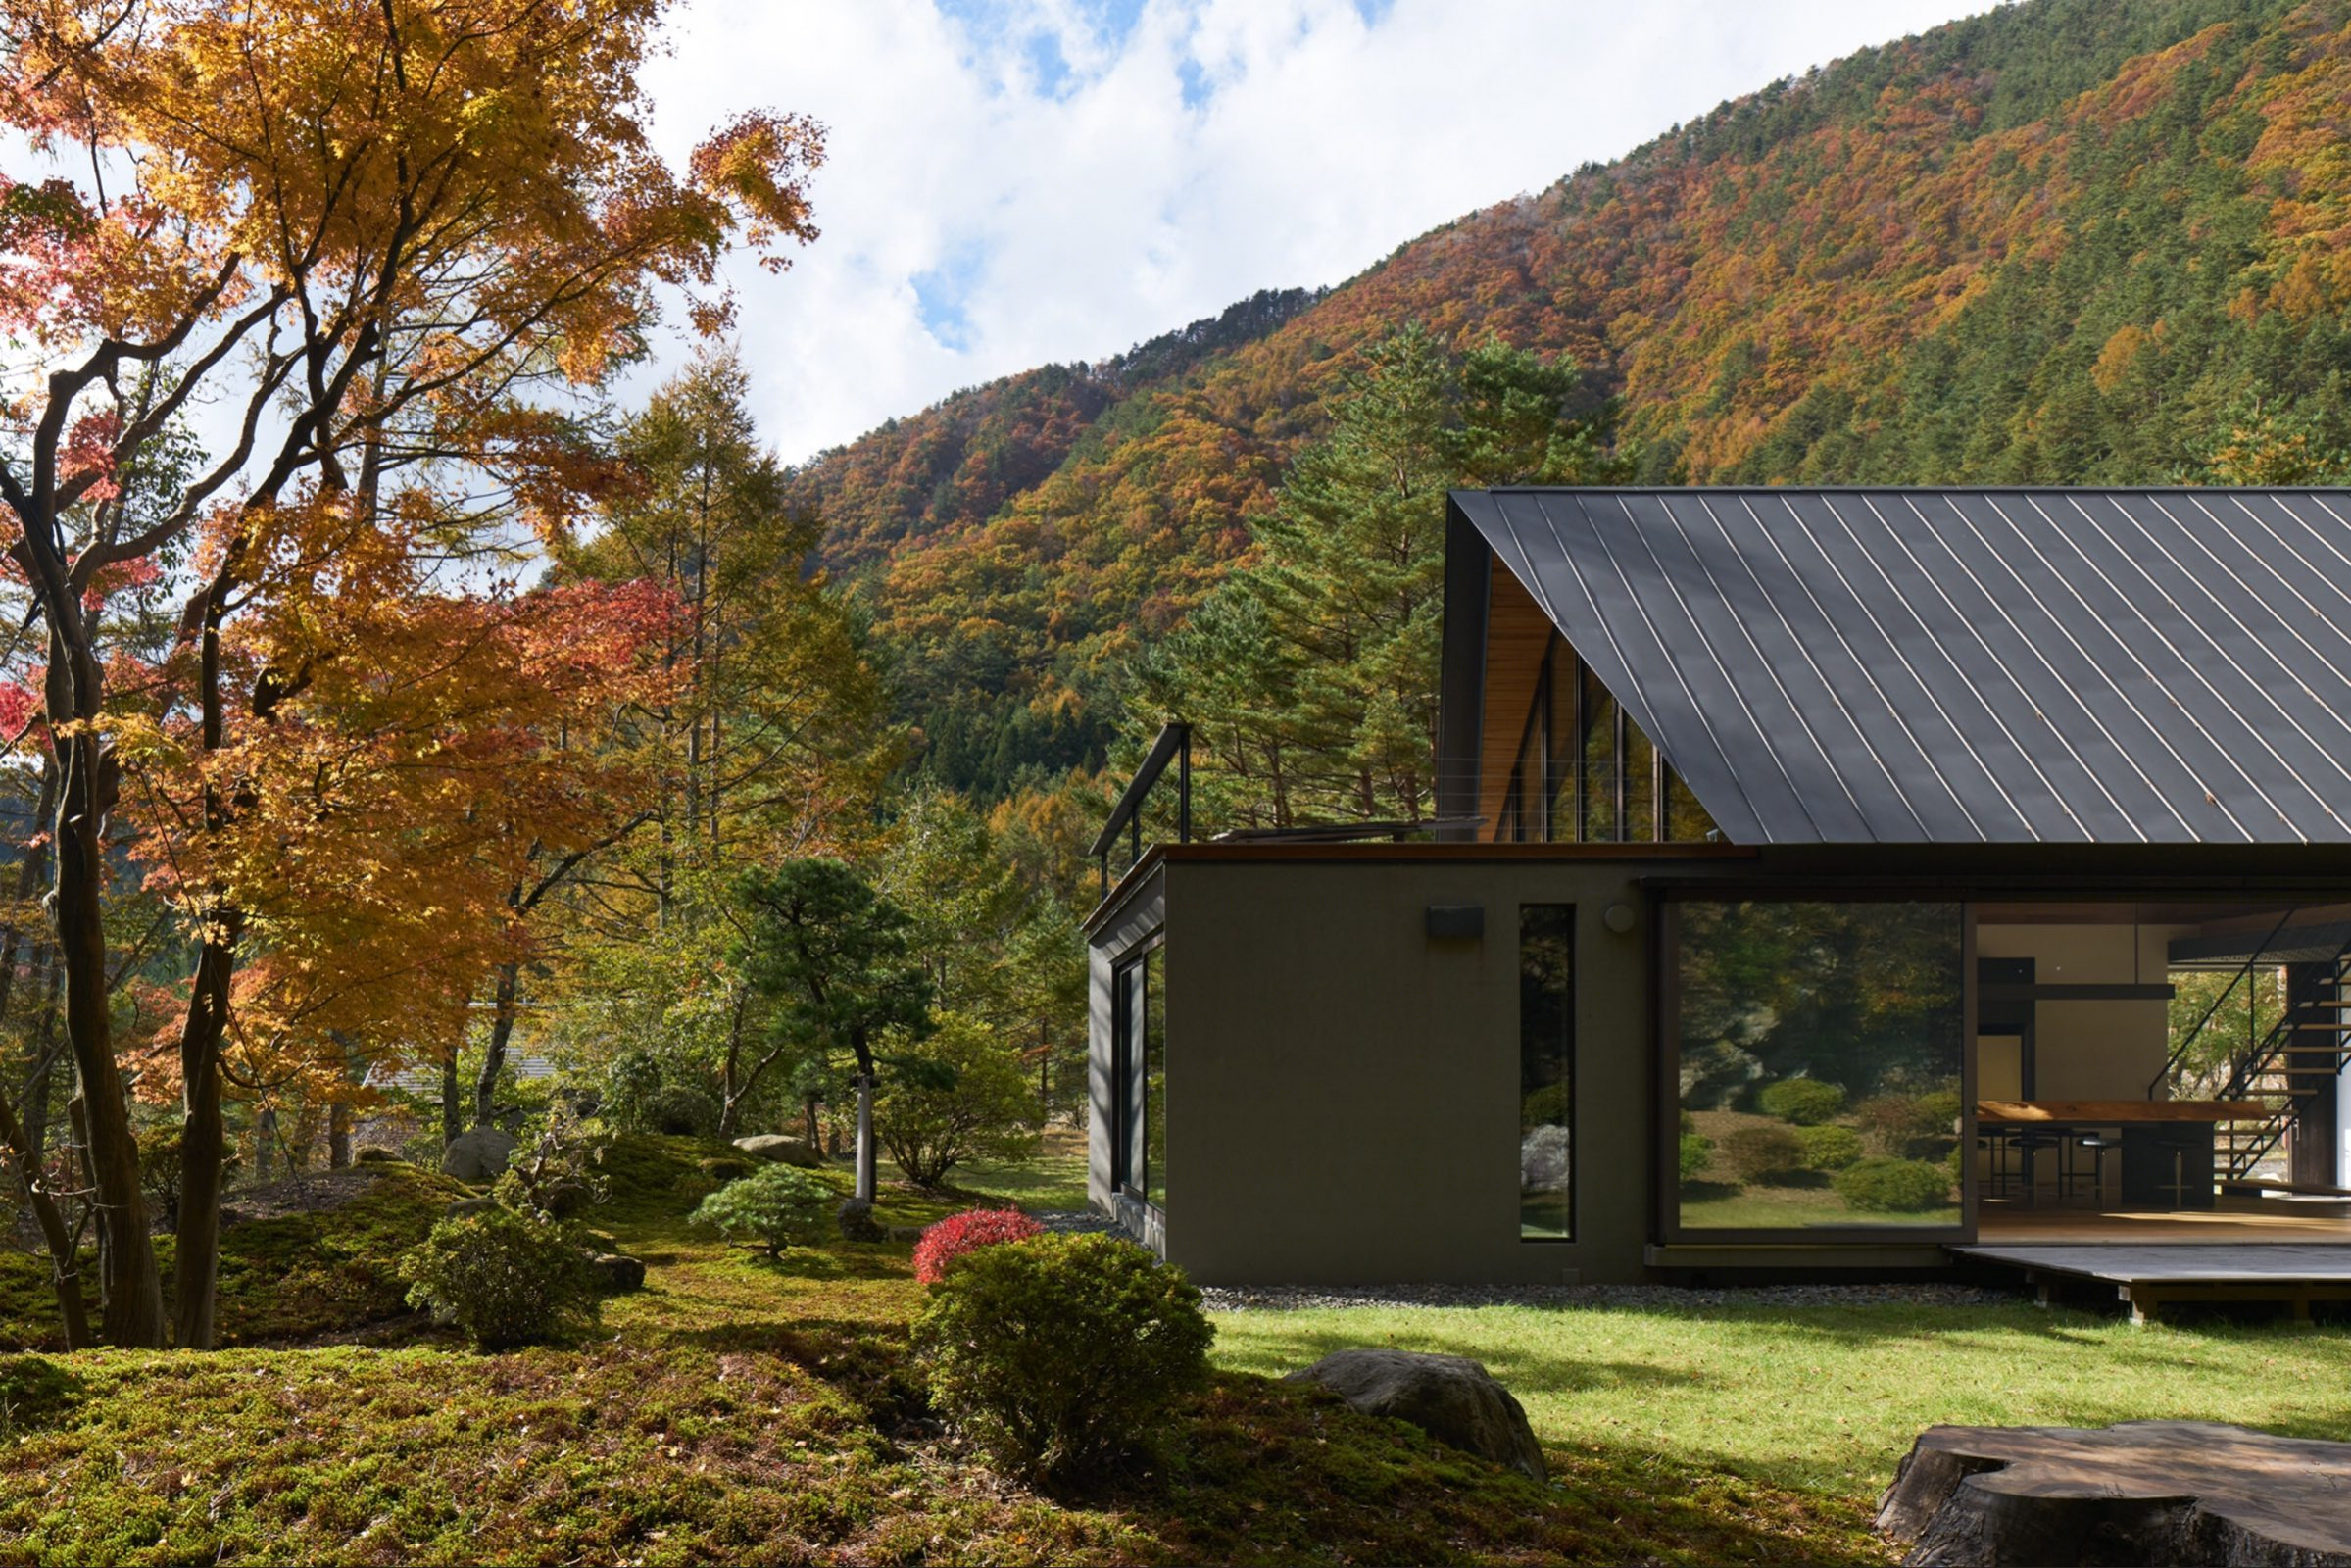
2309	1042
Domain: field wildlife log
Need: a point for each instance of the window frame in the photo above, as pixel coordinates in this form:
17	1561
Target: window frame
1130	1111
1666	1051
1574	1062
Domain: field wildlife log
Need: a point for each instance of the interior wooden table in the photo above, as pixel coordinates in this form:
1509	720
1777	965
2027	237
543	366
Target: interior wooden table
2166	1144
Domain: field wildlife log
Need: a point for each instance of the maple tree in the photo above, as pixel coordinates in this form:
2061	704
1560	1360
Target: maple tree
376	238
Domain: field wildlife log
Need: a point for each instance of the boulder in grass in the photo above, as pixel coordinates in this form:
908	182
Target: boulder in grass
479	1156
1451	1398
783	1151
618	1274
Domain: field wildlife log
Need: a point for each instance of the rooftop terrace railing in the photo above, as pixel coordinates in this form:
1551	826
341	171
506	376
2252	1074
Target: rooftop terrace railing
1174	745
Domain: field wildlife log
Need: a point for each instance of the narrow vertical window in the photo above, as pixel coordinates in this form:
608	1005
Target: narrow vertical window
1546	1101
1154	1079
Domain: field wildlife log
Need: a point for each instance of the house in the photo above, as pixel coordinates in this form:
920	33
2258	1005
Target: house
1821	879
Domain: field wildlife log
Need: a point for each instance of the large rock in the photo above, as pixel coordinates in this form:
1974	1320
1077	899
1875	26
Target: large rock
1542	1161
618	1274
1451	1398
479	1156
783	1151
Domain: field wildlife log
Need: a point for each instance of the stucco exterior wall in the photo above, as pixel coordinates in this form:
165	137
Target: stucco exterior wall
1343	1089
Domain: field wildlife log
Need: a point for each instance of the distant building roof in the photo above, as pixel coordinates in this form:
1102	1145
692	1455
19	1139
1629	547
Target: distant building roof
1966	665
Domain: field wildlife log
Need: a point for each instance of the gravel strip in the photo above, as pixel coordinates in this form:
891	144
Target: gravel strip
1074	1221
1304	1298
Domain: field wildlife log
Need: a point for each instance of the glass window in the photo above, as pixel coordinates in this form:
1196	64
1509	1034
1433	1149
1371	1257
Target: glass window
1547	1037
1599	763
1819	1048
1154	1079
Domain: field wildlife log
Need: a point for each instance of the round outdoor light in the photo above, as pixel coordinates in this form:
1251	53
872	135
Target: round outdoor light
1617	917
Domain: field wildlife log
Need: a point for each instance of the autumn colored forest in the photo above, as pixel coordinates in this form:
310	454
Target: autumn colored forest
2064	242
480	844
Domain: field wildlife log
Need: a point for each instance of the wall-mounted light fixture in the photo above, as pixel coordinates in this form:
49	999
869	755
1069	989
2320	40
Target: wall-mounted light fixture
1618	917
1456	923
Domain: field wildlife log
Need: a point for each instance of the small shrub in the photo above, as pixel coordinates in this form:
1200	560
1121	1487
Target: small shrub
1806	1102
774	1208
1894	1186
1697	1150
1763	1153
680	1111
1908	1126
1830	1147
1059	1355
725	1167
960	1235
1546	1107
505	1279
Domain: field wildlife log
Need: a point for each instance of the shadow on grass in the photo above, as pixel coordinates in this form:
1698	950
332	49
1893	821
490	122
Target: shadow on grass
1259	1471
34	1392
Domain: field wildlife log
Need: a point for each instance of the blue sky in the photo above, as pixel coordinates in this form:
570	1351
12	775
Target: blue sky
1017	181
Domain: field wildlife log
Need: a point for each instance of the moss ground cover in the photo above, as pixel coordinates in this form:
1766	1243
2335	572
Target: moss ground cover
747	1408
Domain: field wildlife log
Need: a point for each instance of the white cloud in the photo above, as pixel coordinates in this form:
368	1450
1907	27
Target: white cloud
1017	181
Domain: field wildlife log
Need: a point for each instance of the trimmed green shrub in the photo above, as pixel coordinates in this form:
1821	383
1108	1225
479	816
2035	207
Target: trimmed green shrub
725	1167
680	1111
1909	1126
1763	1153
1697	1150
773	1207
1055	1356
1806	1102
503	1278
1545	1107
1830	1147
1894	1186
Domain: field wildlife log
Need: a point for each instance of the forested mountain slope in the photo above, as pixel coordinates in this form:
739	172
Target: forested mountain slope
2067	241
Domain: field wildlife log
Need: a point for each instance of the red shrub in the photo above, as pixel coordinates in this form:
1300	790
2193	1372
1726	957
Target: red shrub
958	1234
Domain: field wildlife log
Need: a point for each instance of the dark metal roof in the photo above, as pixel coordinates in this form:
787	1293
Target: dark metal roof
1966	665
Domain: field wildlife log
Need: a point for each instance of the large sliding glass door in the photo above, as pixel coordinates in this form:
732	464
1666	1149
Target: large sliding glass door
1816	1053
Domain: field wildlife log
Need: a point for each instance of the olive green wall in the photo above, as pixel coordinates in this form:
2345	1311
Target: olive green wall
1343	1091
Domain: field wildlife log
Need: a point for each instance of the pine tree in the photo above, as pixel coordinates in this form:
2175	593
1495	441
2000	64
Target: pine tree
1311	673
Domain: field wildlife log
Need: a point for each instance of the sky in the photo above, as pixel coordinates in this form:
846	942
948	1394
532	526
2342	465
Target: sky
1015	182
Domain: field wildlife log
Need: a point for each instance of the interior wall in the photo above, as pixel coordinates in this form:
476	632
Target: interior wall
2091	1049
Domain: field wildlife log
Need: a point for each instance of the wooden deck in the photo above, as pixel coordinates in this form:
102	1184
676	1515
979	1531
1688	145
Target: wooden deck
2294	1253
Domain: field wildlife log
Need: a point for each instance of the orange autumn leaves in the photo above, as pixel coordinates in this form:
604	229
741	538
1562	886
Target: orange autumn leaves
399	751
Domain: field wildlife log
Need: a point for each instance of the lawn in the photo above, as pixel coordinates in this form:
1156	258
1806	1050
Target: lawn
745	1409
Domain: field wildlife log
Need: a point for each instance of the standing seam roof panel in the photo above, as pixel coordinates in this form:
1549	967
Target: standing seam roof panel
1961	666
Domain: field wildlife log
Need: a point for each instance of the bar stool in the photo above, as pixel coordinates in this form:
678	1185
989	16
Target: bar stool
2070	1175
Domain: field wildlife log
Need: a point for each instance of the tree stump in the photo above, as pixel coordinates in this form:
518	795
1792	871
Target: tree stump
2142	1492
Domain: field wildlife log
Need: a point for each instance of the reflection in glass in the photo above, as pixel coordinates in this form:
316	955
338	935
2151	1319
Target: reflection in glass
1820	1055
1547	994
1155	1081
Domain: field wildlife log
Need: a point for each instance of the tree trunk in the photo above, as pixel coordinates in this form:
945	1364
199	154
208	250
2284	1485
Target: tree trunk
338	1136
265	1143
202	1137
501	1029
808	1110
868	1176
38	1089
133	1311
64	1264
452	1101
